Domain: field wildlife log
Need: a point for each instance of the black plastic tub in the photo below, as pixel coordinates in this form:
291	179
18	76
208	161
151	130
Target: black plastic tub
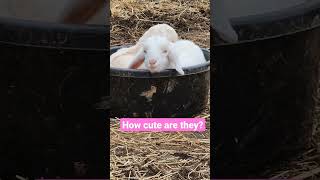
57	78
264	92
138	93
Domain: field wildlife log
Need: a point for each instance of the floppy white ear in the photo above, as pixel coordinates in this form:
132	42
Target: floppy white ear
179	70
125	51
173	60
177	67
137	59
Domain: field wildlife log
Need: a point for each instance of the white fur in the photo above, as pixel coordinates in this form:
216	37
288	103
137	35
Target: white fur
169	55
185	53
124	61
160	30
163	30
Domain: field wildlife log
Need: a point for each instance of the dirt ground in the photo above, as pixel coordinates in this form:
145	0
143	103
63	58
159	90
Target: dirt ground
307	164
179	155
131	18
160	155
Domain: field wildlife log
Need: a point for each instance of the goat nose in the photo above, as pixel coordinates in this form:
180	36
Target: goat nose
152	61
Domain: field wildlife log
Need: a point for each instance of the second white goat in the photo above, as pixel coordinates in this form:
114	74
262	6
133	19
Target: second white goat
158	54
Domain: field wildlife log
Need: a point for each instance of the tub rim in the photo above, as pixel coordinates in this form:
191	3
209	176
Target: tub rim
142	73
244	42
31	33
269	17
276	15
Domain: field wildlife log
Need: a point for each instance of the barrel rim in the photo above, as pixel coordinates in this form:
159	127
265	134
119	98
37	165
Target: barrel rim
276	15
280	36
30	33
142	73
269	17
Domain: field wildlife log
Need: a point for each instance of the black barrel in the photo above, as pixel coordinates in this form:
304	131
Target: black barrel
138	93
263	99
57	78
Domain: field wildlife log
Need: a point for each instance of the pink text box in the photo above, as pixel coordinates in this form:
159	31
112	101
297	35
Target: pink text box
162	124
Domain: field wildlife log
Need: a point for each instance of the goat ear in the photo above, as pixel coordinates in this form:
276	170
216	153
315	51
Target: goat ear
173	62
137	60
179	70
124	51
177	67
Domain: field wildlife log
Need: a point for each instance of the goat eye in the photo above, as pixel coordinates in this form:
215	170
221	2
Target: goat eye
145	51
165	51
